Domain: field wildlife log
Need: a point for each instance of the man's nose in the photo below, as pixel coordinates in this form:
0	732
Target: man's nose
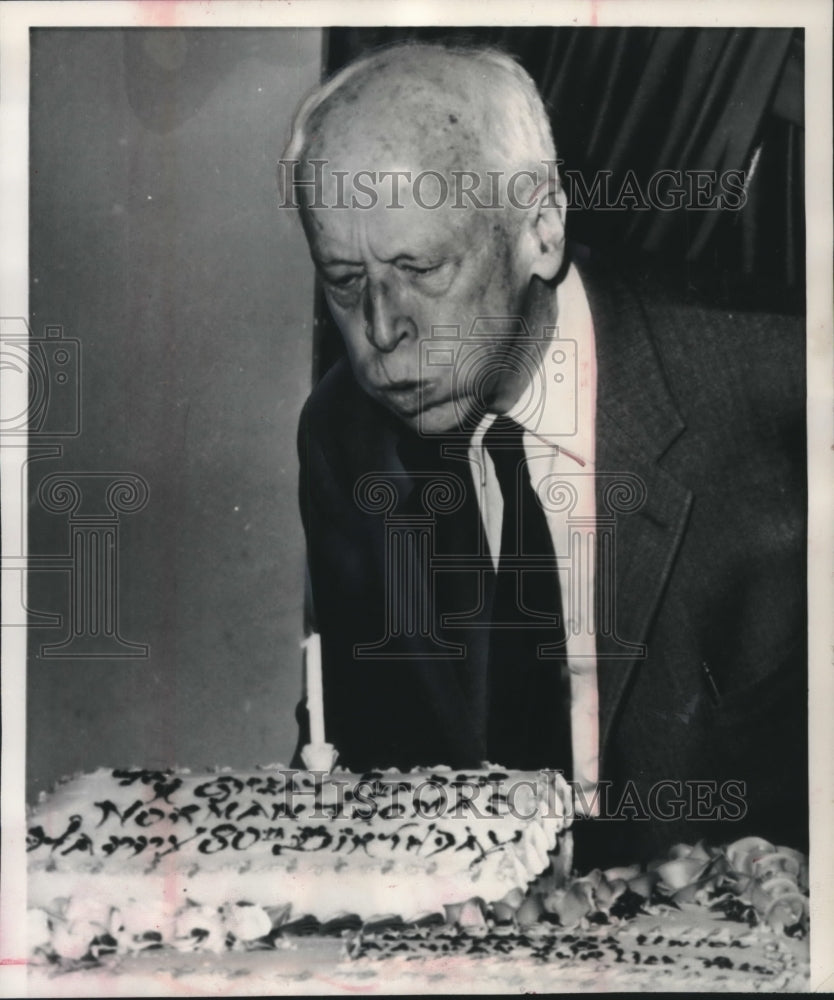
387	321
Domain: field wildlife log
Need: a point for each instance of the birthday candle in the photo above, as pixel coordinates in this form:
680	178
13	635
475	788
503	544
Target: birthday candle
315	692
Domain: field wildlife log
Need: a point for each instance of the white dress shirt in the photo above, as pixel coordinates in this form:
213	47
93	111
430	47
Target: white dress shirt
557	412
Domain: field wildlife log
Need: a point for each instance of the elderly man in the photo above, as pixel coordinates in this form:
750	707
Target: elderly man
554	518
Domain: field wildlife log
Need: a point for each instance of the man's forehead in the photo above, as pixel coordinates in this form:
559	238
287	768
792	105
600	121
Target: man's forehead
382	129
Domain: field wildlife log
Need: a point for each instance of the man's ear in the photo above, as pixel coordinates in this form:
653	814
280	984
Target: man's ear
545	230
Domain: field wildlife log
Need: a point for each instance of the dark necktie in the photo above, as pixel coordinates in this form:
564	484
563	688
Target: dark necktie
528	722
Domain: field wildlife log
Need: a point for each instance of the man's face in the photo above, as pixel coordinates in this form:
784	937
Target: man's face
392	274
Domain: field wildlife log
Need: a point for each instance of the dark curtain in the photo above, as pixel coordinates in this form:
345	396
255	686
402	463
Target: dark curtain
635	101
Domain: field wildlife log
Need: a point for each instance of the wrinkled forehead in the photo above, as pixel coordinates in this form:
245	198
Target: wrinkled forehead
398	119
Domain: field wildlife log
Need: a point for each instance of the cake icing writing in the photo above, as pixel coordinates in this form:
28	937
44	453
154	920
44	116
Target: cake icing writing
160	850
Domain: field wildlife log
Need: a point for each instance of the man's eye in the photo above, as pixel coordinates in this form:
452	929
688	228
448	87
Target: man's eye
420	269
342	280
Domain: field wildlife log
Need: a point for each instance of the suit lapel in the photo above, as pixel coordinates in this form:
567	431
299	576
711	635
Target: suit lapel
644	544
636	422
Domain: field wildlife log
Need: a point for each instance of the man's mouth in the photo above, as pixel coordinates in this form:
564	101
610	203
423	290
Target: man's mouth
410	396
427	403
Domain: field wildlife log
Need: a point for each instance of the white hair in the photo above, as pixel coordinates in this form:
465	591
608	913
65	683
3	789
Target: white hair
514	127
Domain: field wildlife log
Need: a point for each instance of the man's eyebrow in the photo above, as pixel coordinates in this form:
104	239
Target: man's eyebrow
403	256
336	262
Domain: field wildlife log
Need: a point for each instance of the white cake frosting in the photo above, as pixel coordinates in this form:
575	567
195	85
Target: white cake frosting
130	858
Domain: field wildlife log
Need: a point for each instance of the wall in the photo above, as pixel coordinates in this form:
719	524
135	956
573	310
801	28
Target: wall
157	243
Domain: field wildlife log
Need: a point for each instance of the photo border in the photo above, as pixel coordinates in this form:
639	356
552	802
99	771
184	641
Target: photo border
16	18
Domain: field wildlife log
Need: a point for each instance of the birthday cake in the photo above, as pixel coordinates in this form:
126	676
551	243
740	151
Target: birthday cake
125	860
731	919
284	881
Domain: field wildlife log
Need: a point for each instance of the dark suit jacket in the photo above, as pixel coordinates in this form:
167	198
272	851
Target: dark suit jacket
707	409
